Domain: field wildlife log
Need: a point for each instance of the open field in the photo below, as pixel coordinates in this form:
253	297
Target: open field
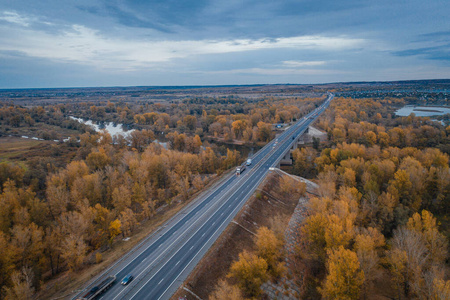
40	130
16	148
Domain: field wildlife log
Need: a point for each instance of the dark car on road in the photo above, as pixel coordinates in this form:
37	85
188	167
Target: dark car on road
126	280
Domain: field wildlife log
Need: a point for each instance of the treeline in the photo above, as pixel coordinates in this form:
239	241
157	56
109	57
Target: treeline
107	192
241	120
364	129
17	120
370	122
380	186
342	260
225	117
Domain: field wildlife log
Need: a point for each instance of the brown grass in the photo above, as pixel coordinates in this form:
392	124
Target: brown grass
37	129
11	148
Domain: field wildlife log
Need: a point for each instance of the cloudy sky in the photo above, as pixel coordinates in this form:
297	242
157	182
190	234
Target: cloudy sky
54	43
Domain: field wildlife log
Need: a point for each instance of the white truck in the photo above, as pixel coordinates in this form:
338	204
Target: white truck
240	169
249	162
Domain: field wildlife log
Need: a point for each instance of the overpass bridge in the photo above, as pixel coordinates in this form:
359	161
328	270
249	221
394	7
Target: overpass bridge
300	140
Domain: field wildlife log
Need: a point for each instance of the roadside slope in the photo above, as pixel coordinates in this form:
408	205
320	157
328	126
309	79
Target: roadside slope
271	206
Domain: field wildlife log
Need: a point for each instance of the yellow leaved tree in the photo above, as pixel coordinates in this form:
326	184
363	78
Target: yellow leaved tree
344	278
250	272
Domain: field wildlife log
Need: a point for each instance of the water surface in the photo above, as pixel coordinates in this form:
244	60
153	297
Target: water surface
110	127
422	111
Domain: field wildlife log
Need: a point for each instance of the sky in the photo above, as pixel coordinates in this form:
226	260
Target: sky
85	43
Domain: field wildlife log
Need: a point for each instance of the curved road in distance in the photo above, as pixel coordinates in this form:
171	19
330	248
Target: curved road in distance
162	261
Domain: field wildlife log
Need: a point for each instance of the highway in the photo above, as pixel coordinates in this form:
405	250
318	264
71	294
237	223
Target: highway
163	260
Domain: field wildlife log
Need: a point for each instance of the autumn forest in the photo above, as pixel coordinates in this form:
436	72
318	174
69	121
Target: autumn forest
71	195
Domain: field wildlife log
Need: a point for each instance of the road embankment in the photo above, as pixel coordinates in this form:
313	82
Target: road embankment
269	206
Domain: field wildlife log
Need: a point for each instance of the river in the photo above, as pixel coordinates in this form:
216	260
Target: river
110	127
422	111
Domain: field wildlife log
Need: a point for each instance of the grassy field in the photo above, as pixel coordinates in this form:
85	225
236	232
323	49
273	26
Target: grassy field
15	148
40	130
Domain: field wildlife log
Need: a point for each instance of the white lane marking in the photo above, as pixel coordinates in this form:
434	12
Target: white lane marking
221	196
160	281
177	263
179	274
200	201
218	209
168	247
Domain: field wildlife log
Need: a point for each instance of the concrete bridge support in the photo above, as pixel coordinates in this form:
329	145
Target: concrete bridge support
286	160
301	139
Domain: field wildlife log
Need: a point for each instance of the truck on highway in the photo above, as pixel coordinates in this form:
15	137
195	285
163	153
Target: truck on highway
240	169
98	289
249	162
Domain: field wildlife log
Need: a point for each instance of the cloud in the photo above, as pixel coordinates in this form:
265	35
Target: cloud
179	42
81	44
441	52
301	64
13	17
124	16
279	71
439	36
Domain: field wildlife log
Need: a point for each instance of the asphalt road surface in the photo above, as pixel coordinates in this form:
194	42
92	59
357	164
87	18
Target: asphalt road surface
163	260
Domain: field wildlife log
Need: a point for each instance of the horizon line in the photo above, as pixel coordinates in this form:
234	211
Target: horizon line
227	85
